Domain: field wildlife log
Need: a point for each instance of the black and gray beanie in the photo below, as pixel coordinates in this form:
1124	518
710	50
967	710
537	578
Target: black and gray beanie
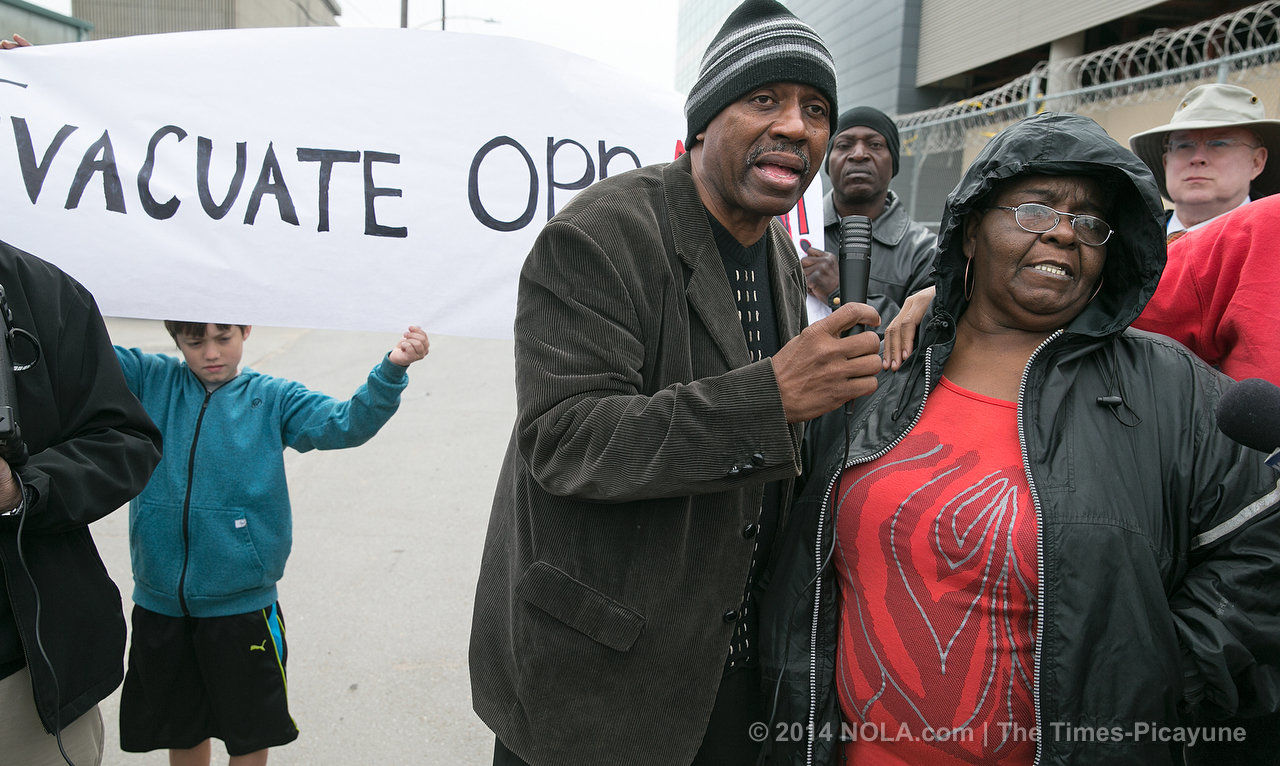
761	42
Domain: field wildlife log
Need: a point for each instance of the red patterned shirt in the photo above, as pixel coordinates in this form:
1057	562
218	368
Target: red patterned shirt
936	559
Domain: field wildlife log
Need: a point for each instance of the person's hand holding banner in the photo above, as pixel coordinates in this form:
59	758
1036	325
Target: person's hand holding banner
16	42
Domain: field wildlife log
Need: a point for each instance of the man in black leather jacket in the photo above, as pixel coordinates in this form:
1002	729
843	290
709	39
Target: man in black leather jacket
862	157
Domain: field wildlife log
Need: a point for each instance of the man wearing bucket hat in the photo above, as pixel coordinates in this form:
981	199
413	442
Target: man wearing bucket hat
1212	155
662	377
1219	294
1220	291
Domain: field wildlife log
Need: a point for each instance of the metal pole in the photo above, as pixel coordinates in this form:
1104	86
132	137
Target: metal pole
916	167
404	14
441	15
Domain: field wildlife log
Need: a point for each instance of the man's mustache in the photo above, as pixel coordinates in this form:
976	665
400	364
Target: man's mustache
781	146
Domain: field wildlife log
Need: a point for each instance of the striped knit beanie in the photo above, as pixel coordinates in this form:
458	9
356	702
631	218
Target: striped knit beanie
761	42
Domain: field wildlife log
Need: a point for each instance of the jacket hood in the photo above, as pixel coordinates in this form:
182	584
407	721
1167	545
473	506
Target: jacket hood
1059	144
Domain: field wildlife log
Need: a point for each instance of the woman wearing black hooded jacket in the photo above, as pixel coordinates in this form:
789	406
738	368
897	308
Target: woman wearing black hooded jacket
1031	543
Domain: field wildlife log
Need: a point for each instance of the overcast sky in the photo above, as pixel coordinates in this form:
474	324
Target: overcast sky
639	37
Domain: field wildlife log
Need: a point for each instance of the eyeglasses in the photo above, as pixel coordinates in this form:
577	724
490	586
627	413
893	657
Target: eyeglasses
1185	148
1038	219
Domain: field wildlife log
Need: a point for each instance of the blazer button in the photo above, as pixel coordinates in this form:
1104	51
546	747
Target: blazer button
758	458
733	472
749	531
747	468
731	615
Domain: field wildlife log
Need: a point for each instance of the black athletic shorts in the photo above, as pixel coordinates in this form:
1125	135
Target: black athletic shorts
192	678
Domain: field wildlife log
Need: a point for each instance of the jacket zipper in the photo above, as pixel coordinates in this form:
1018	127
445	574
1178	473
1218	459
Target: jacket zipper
811	730
186	508
1035	501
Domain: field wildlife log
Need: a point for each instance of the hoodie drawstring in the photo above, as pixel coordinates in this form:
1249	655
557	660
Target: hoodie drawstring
1116	401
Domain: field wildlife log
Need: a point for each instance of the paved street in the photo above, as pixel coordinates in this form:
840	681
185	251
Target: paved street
387	538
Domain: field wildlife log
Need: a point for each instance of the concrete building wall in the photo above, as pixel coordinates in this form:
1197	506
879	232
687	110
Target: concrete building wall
40	26
119	18
275	13
959	35
874	43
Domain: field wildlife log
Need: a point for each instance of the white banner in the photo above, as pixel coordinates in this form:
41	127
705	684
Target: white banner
320	177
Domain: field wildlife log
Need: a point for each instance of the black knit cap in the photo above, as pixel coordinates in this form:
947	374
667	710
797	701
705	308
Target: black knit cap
761	42
869	117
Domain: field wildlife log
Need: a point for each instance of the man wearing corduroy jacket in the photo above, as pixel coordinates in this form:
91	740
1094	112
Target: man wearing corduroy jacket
662	379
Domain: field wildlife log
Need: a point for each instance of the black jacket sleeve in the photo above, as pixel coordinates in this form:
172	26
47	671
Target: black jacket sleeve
92	446
1227	607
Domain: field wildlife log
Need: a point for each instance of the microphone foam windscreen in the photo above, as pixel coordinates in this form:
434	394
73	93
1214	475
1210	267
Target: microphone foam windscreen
1249	413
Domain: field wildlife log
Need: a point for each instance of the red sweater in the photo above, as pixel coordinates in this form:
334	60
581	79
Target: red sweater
1220	292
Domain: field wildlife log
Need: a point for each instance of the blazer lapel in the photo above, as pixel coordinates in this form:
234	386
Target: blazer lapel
711	298
706	289
787	281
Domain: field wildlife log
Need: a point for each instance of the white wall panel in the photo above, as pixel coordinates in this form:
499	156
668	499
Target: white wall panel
959	35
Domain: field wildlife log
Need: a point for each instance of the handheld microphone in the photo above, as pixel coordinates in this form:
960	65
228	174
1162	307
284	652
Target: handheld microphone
1249	414
855	261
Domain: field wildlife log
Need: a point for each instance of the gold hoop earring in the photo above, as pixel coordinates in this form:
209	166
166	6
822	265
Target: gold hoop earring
968	288
1096	290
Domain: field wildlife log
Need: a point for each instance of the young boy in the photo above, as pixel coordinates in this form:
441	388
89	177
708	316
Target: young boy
210	534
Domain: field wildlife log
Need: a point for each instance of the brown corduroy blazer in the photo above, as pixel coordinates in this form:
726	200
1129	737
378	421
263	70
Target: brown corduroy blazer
643	439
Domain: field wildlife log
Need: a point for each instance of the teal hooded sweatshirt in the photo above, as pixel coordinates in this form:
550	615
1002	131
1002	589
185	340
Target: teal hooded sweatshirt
210	534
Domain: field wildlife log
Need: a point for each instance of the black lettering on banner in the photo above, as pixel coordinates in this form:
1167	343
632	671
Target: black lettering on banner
33	174
326	158
157	210
473	187
371	192
271	181
588	175
606	156
98	158
204	154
